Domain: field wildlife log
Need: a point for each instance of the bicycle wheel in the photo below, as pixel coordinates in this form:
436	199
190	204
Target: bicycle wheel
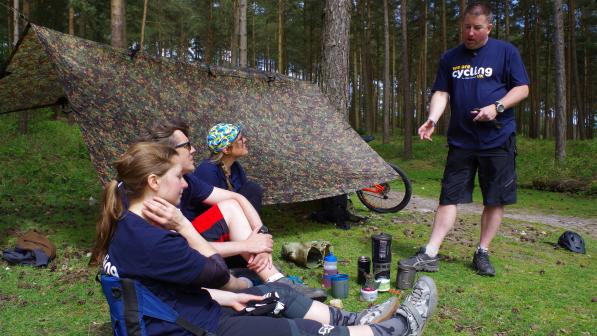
386	197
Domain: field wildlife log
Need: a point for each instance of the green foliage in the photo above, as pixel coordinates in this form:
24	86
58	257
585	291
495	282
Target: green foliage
46	181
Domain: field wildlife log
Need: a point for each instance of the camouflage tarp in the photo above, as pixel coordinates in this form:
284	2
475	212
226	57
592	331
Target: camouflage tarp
300	147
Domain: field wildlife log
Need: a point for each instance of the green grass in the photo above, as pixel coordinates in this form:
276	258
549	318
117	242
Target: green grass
46	181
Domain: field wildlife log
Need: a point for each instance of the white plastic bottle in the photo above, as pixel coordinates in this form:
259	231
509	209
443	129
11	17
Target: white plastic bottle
330	267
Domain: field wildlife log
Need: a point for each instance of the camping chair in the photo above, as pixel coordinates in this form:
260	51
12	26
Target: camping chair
130	302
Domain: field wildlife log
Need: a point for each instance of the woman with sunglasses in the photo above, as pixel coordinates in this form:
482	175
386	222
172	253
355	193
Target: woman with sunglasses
227	144
142	235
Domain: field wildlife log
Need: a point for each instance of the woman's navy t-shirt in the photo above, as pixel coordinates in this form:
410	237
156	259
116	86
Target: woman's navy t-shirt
475	79
213	175
164	262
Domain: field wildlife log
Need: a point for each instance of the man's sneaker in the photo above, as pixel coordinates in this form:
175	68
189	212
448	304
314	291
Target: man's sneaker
481	263
378	313
418	307
316	294
422	262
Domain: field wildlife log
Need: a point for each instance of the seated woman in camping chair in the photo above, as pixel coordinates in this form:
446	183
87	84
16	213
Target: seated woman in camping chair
227	144
142	235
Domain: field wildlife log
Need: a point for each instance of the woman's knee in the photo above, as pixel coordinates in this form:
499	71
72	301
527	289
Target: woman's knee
230	208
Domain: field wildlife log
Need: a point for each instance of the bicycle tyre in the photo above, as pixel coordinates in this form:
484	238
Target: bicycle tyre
393	198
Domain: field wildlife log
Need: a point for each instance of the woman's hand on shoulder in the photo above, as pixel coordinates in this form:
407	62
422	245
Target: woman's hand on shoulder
162	213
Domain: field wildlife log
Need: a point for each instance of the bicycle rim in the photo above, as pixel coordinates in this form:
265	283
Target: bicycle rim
395	196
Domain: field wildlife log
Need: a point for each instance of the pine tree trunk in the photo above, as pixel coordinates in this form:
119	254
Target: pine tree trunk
393	80
10	23
71	19
334	65
537	84
210	35
16	33
528	29
235	33
424	64
570	134
253	38
576	89
118	17
507	20
23	115
243	33
408	114
547	106
560	81
461	19
386	71
367	69
281	47
143	19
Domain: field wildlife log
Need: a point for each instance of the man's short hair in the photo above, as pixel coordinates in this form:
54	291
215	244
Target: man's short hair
479	8
161	131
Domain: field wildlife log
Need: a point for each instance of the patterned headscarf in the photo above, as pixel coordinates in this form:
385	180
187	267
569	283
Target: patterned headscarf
221	136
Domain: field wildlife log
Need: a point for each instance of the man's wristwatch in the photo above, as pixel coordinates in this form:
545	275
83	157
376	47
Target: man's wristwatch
499	107
432	122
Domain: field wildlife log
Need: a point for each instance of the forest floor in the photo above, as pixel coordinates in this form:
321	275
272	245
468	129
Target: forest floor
581	225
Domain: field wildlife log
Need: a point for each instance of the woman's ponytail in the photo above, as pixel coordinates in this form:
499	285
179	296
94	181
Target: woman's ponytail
112	209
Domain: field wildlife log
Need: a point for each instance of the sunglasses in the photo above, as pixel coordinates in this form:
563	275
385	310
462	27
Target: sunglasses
186	145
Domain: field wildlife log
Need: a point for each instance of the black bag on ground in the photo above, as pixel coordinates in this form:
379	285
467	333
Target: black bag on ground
335	210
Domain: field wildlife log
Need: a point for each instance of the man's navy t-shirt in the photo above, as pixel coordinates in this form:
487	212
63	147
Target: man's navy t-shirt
164	262
213	174
475	79
191	202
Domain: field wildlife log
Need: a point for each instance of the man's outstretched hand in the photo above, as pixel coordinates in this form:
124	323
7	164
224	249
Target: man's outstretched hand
426	130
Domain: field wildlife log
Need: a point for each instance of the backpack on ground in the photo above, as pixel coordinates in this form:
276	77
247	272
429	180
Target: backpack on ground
336	209
130	302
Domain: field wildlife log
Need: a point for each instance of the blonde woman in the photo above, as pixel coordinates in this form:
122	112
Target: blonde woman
227	144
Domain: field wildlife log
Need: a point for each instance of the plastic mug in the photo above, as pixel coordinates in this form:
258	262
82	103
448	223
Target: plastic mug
327	280
405	278
340	286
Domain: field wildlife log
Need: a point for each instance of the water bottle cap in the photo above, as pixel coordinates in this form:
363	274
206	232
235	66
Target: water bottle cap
330	257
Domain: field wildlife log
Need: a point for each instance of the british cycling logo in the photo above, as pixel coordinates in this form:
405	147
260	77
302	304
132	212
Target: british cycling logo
466	71
109	268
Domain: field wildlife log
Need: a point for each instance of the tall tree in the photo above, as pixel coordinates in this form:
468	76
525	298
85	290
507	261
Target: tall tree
15	22
446	115
334	69
143	19
118	17
235	33
281	47
560	81
507	20
242	7
367	57
387	88
576	89
24	116
408	115
209	45
71	18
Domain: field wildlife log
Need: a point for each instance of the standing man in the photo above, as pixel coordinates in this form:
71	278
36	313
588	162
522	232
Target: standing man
483	79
